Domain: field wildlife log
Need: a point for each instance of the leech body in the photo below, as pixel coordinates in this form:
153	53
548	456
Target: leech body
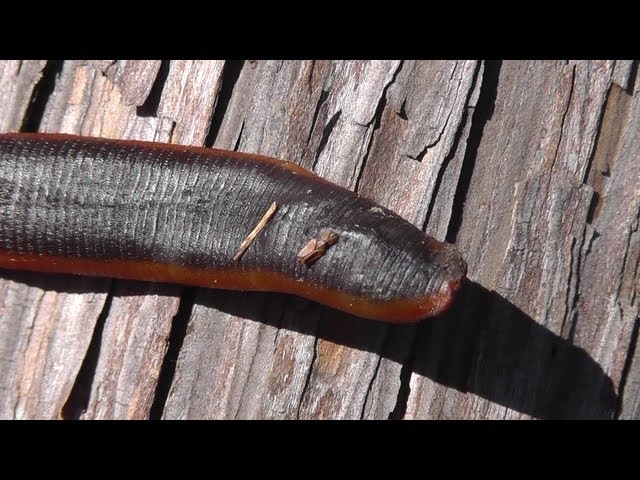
169	213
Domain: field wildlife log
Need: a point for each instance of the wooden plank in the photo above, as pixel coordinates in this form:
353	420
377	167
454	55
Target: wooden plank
46	324
132	345
429	167
392	165
17	81
86	101
533	350
135	79
613	256
45	321
101	99
325	121
214	379
137	328
530	167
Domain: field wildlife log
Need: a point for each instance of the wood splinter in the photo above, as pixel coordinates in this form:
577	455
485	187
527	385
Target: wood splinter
317	247
256	231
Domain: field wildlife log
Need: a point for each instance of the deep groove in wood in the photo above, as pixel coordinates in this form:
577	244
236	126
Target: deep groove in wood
497	355
633	77
377	119
370	387
631	353
40	96
308	377
483	112
326	133
150	106
400	407
176	338
230	75
78	400
324	95
446	162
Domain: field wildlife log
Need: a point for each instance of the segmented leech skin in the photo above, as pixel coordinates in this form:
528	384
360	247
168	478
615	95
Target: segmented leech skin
169	213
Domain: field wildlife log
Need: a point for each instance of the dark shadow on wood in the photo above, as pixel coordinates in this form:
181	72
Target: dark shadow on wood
230	76
176	338
150	106
483	112
57	282
485	345
78	399
41	93
633	343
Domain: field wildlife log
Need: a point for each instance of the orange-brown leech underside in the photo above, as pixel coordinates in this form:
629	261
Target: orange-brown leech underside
397	311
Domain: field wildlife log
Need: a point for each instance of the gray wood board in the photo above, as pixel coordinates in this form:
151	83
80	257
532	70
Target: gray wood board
531	168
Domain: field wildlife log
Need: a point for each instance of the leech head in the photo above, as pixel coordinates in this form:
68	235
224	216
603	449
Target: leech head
452	271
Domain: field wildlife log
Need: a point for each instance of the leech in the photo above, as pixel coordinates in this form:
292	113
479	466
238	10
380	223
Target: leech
317	247
349	279
256	231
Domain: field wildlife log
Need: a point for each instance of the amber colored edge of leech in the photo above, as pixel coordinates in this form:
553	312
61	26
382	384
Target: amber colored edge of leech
404	310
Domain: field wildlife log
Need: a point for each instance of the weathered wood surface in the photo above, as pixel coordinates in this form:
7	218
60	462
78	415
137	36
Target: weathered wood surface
531	168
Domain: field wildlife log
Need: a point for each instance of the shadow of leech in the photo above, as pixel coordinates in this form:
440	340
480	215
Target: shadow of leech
484	345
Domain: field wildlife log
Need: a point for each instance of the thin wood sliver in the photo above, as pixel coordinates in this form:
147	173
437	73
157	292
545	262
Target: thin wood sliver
246	243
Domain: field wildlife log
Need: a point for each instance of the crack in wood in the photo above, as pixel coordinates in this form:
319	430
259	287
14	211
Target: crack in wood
611	126
402	398
384	344
454	147
326	133
19	396
176	338
324	95
633	77
230	76
236	145
376	120
588	171
78	399
562	124
311	70
403	109
374	375
150	106
278	324
420	156
172	130
307	380
481	115
626	369
40	96
589	237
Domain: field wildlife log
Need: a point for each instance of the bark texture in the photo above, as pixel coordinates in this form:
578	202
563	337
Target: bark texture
530	168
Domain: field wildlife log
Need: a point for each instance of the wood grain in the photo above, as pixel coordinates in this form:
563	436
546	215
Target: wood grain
18	80
531	168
